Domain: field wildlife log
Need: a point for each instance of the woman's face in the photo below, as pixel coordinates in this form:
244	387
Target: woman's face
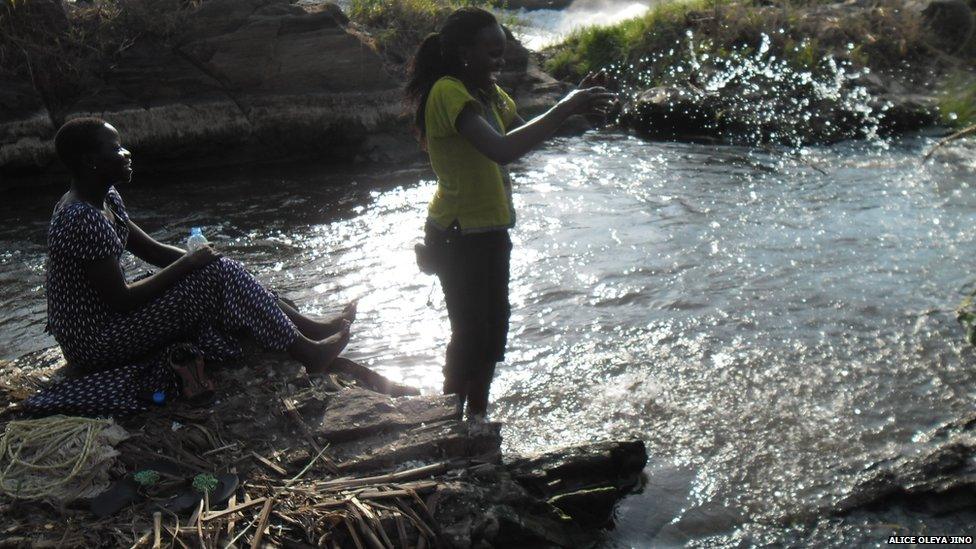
487	54
112	162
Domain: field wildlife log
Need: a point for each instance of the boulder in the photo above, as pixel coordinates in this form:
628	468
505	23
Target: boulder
245	80
671	112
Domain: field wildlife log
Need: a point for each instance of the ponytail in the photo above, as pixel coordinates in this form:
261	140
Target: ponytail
425	69
439	55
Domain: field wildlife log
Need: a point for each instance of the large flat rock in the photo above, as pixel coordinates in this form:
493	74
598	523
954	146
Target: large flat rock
356	413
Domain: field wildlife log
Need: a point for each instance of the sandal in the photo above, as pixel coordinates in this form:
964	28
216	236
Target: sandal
197	388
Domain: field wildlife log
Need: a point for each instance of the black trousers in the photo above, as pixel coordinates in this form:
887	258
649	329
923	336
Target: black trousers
474	273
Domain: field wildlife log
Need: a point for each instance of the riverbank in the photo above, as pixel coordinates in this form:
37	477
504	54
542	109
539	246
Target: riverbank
781	72
216	82
329	461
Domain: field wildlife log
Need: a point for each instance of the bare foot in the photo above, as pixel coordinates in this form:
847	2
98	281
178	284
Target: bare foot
323	329
349	311
328	349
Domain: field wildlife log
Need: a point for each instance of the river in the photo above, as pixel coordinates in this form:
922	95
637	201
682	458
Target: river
769	324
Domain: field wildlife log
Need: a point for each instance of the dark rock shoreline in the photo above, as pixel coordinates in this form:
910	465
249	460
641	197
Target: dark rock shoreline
451	486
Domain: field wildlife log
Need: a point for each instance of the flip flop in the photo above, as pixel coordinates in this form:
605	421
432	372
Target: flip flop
121	494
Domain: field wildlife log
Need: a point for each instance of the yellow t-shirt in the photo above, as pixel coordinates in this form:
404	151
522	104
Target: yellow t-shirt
471	188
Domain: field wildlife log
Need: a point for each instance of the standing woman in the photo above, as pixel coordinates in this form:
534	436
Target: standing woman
470	128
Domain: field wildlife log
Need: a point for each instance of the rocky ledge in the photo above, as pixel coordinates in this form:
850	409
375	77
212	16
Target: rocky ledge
243	80
341	464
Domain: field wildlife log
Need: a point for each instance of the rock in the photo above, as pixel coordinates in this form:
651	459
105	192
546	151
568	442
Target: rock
907	112
591	508
670	112
937	476
245	80
616	464
444	441
951	23
356	413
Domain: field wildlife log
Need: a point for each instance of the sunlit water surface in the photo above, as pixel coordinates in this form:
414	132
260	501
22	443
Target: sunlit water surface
766	328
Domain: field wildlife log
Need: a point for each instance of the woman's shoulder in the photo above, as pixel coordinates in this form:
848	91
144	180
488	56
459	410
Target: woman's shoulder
448	85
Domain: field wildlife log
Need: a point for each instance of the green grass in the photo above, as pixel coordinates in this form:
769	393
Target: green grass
958	102
880	38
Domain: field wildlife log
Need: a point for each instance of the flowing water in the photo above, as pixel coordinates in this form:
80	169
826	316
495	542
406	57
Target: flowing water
766	328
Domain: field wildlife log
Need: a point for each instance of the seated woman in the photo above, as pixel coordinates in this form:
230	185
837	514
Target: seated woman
102	321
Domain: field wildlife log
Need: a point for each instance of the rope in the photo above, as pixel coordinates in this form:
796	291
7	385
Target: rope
41	456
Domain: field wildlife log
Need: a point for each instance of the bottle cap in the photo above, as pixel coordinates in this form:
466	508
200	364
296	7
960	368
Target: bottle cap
159	397
196	230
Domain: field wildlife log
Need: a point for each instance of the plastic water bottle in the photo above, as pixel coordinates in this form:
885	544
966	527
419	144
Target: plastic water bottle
196	240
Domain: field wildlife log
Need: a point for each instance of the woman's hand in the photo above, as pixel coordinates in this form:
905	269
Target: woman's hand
201	257
594	100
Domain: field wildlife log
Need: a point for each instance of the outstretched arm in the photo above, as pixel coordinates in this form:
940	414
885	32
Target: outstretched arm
105	275
149	249
515	144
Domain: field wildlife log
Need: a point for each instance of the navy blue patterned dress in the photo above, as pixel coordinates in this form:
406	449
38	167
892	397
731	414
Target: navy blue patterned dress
206	309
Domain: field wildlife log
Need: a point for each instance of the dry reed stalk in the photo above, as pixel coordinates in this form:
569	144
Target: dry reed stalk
231	510
410	474
262	523
368	534
157	530
949	139
352	532
268	463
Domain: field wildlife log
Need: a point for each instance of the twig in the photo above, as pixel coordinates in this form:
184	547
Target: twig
377	525
143	539
221	449
267	463
946	140
157	530
352	532
410	474
262	523
371	539
242	532
232	510
230	524
296	416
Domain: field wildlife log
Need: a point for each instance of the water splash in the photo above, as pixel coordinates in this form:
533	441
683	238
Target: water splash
749	96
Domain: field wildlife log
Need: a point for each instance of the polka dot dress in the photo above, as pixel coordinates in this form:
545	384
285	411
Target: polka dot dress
206	309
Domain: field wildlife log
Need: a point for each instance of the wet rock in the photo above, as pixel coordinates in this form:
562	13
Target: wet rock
591	508
557	498
937	475
688	113
576	468
671	112
907	112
